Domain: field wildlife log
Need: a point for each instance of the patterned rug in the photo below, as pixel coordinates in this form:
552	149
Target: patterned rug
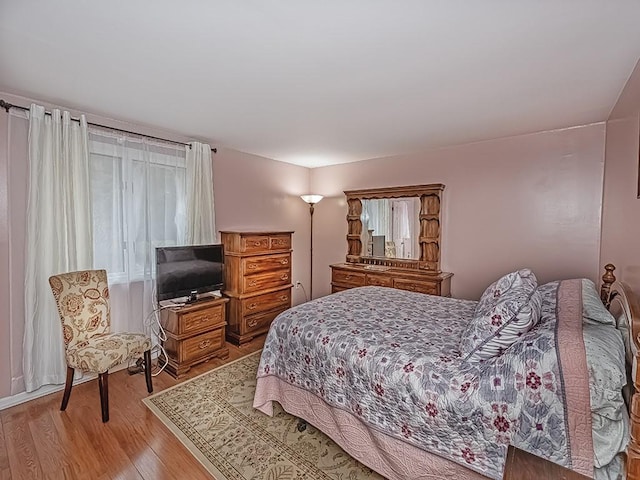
213	417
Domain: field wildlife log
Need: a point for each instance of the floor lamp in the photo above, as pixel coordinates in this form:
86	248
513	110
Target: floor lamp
311	200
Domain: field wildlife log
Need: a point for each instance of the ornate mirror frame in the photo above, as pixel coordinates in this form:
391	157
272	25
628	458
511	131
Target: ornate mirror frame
429	232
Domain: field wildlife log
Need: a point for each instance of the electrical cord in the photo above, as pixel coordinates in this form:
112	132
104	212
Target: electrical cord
153	324
306	299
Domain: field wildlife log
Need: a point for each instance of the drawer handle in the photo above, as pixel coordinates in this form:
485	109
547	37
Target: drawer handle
253	283
284	297
284	276
284	261
257	244
253	266
204	344
253	323
347	277
202	319
278	242
251	306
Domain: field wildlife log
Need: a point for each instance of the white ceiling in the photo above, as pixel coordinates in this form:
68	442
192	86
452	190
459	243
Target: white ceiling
325	81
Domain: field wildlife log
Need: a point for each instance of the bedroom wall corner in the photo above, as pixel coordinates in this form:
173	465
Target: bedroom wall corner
620	235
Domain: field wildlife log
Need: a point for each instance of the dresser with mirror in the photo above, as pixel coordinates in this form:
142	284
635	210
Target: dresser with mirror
394	240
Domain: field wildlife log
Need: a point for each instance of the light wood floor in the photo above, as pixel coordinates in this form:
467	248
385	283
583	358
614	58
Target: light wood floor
38	441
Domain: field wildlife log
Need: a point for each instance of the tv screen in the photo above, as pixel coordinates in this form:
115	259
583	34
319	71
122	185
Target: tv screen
188	271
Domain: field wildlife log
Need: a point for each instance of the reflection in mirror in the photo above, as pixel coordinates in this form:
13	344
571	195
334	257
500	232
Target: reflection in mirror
390	227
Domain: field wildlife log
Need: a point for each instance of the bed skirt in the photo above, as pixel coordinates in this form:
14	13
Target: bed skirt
388	456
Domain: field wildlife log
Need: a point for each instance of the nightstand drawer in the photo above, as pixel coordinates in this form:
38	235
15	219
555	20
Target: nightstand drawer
203	344
202	319
261	264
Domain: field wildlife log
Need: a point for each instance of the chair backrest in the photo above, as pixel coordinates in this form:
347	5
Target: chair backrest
83	304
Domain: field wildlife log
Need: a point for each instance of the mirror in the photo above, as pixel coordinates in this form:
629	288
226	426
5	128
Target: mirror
395	227
390	227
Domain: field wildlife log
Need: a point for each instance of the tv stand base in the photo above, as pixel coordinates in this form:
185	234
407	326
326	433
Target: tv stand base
195	334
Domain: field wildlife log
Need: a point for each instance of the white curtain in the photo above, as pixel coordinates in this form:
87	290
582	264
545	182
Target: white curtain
403	214
200	213
59	235
139	203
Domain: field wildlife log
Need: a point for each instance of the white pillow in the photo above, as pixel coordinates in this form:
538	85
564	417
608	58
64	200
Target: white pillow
593	310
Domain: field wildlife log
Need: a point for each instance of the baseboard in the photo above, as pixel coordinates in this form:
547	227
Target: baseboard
22	397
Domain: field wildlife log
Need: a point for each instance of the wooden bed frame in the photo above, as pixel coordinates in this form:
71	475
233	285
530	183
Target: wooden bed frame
619	298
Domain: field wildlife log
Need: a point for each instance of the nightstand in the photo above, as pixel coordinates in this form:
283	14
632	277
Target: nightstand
523	465
195	334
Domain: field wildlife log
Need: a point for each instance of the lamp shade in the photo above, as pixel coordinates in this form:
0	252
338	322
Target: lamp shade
311	199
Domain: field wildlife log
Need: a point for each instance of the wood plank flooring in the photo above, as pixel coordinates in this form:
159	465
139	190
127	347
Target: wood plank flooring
38	441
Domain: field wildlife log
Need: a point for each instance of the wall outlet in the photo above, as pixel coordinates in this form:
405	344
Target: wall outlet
298	284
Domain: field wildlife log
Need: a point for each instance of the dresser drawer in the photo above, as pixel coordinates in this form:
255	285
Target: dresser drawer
379	280
415	286
355	279
254	243
336	289
266	302
202	345
280	242
264	281
202	319
259	322
260	264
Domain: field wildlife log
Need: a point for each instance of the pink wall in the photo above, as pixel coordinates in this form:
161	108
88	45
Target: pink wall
525	201
250	192
257	193
621	207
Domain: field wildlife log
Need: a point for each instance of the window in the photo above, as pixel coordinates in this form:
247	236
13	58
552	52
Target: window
138	202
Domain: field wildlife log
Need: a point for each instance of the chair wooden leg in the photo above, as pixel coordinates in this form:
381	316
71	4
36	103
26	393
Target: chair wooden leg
103	382
67	389
147	370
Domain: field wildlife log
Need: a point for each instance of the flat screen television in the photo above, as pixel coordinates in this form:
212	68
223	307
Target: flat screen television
187	271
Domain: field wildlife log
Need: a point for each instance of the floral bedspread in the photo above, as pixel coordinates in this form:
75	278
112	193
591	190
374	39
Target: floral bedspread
391	358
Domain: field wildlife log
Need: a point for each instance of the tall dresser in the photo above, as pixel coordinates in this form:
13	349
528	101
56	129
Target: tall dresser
257	271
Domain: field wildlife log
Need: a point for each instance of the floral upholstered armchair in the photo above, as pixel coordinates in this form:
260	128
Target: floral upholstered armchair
83	305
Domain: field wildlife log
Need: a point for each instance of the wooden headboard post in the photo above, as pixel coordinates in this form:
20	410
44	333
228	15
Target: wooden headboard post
633	449
607	280
624	299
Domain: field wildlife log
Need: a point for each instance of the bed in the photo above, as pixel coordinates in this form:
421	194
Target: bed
384	373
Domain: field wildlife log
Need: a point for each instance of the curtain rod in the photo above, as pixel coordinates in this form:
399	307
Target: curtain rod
7	106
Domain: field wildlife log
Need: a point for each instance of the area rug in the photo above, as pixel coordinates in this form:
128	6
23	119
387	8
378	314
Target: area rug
213	417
